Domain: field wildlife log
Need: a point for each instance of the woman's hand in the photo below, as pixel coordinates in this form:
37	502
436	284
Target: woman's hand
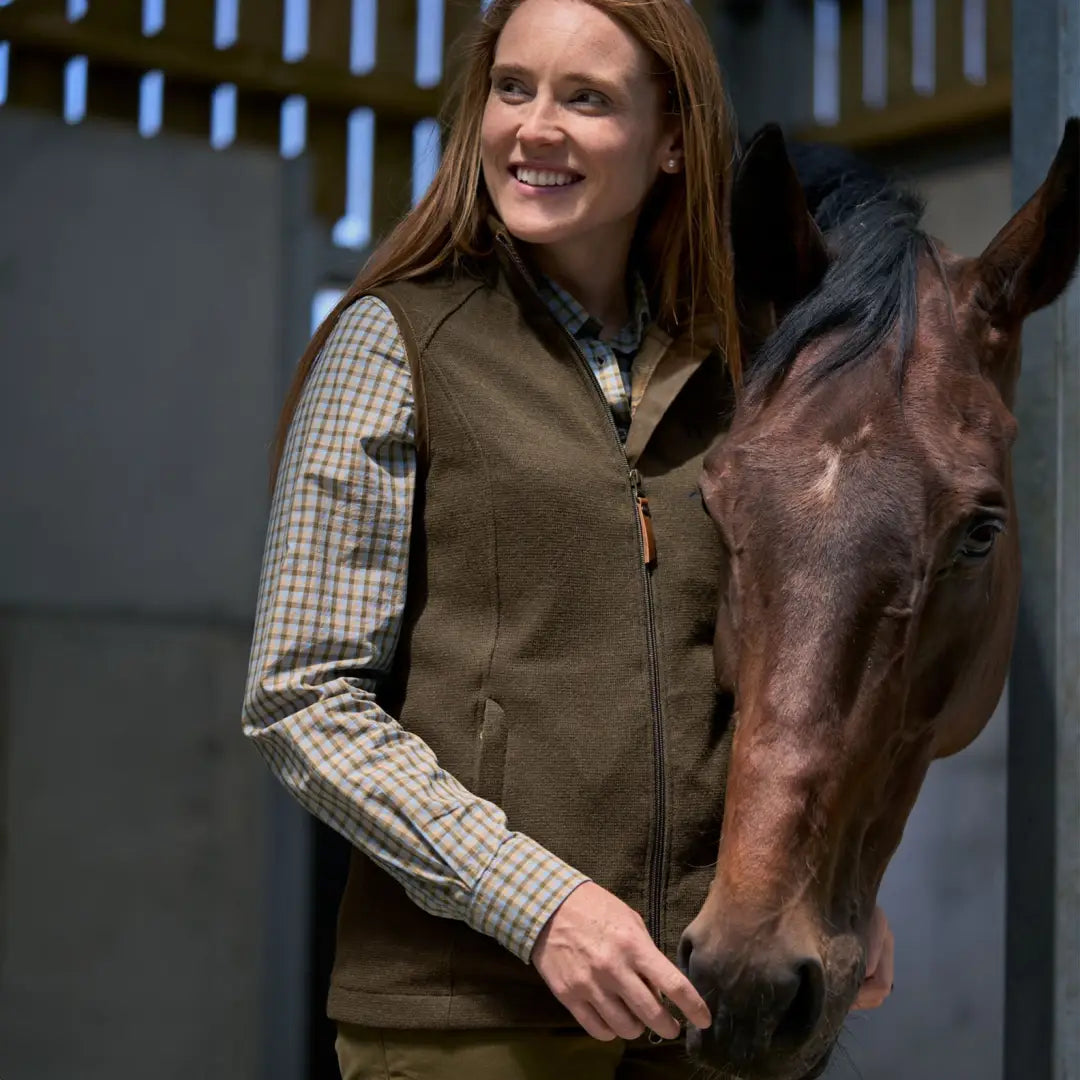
880	945
598	959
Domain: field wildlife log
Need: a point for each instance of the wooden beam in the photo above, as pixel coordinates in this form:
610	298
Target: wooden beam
262	27
948	110
36	81
327	147
330	33
460	17
948	47
851	61
899	54
395	46
253	72
392	191
999	37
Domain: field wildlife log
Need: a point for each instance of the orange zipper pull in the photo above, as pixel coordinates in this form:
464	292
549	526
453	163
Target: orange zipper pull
648	541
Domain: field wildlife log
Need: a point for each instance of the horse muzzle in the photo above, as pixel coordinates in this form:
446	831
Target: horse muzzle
768	1014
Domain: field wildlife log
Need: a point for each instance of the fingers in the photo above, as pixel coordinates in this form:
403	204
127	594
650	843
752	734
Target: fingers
618	1017
665	978
881	952
590	1020
596	956
875	941
647	1007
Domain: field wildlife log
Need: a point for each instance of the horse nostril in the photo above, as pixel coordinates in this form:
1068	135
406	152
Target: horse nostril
807	1001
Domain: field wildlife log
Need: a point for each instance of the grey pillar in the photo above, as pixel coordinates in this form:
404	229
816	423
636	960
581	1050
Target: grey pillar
287	910
1042	1033
766	52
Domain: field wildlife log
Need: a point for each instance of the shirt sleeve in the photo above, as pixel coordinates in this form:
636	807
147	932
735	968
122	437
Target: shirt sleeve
329	615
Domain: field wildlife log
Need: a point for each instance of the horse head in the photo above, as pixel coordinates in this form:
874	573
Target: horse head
864	498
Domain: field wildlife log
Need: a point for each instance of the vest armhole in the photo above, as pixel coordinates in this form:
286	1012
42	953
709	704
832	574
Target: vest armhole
412	352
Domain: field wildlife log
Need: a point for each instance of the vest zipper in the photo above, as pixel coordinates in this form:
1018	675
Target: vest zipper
656	867
654	887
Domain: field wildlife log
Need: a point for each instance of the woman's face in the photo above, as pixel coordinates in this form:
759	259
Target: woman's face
573	133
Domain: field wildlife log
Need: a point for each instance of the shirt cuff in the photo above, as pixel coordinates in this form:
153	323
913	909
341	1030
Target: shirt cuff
518	893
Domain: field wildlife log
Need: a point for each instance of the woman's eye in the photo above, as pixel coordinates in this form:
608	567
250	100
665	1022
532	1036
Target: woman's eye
979	540
592	98
510	88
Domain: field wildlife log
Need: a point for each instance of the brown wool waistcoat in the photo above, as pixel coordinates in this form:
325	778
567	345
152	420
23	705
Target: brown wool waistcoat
546	666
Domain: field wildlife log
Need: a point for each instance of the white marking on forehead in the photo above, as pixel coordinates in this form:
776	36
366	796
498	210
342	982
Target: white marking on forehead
824	487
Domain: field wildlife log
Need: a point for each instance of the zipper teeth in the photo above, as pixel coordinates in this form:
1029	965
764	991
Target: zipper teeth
656	866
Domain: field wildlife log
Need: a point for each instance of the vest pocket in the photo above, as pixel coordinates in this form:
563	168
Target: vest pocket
491	753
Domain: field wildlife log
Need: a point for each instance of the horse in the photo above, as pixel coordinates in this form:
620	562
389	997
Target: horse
864	498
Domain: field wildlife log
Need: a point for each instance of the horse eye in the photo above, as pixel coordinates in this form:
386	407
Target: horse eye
979	540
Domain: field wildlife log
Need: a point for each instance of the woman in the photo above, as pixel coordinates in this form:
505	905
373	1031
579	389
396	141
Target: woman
483	650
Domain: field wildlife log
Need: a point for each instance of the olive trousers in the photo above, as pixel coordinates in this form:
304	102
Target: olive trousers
518	1054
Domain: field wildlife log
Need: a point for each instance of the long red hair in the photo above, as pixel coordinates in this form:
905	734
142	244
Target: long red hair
682	234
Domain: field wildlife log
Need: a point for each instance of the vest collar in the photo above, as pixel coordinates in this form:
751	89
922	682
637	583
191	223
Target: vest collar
661	368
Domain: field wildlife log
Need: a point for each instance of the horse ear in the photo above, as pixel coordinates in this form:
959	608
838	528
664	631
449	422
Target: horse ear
1030	261
779	252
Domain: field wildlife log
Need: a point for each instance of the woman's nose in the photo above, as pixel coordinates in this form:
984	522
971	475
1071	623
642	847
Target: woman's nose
538	123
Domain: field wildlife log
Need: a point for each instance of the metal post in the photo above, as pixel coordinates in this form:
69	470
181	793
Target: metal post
1042	997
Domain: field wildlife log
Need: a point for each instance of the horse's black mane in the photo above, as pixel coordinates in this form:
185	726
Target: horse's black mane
871	227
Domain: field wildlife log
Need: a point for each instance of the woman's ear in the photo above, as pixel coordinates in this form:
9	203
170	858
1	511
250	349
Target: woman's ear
672	157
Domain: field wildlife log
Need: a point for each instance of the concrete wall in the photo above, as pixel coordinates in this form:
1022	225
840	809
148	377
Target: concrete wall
139	333
766	53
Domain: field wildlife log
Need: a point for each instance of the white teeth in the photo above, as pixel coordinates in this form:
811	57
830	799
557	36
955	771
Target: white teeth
543	177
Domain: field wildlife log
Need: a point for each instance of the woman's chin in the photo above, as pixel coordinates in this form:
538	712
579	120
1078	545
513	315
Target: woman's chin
532	229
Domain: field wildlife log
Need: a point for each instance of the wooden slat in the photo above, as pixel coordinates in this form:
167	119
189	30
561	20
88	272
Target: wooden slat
851	64
261	31
998	38
192	22
949	110
330	33
949	49
50	8
393	174
327	143
35	81
262	27
899	53
122	17
38	31
395	43
112	89
393	178
186	109
258	119
113	93
460	17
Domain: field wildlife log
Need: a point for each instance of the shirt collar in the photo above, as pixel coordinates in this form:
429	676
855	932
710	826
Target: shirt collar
582	326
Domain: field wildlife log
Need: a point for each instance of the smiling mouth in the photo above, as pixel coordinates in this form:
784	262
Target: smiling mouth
544	178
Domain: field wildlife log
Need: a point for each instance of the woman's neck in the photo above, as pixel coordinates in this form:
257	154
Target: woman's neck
596	280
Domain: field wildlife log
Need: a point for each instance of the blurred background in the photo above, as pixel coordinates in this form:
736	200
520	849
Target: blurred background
184	191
